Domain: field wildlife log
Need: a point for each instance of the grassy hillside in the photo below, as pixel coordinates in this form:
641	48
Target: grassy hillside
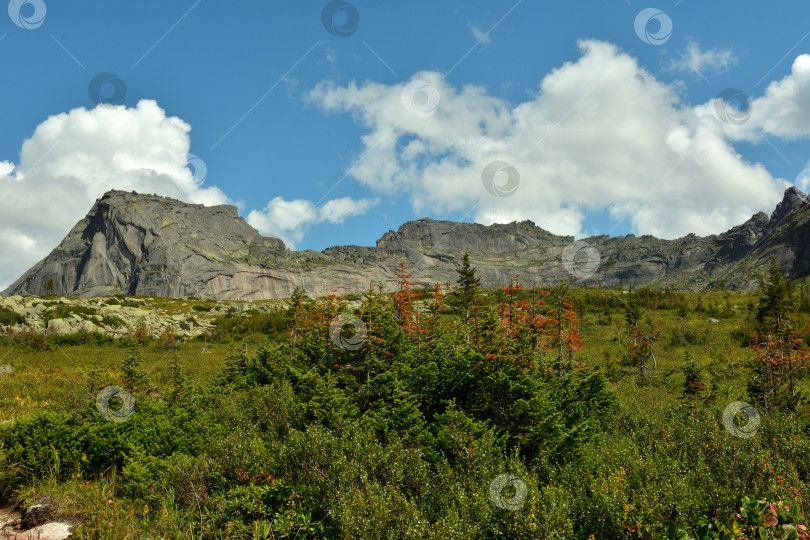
466	414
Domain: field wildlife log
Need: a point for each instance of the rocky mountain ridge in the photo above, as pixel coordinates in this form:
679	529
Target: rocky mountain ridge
138	244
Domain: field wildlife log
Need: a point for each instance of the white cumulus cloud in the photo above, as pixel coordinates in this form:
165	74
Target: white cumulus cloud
284	219
716	60
72	159
337	210
783	111
289	220
600	133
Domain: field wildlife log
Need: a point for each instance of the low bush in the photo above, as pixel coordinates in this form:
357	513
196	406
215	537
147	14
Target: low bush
10	318
248	325
113	321
63	311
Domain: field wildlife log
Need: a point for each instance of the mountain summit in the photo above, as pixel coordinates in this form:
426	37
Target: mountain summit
137	244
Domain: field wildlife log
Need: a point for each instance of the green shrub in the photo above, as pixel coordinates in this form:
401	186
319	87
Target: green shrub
85	442
279	509
63	311
9	471
113	321
80	338
252	323
9	317
121	300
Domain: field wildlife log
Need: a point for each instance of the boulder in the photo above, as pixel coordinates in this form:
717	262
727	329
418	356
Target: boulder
34	323
36	514
48	531
31	310
58	326
86	326
137	313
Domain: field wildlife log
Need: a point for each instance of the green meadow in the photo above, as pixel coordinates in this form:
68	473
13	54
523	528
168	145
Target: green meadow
468	413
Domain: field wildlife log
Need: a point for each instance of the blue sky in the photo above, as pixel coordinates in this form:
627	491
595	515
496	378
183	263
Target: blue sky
280	109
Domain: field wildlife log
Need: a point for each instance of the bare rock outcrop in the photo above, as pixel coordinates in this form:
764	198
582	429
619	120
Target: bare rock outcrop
137	244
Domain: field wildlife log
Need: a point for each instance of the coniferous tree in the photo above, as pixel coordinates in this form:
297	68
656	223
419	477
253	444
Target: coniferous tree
638	339
564	325
804	297
134	377
780	352
652	332
380	329
776	304
295	318
469	291
180	380
693	383
434	306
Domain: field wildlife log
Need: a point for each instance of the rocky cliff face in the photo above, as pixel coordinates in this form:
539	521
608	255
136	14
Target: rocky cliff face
138	244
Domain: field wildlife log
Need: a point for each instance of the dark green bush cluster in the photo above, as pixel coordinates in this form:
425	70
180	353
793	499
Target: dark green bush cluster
63	311
81	338
251	324
9	317
85	443
122	300
113	321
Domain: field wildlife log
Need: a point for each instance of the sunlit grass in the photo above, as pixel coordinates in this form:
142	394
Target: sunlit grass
62	378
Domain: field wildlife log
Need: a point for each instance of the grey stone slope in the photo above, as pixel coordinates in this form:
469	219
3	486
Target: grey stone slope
139	244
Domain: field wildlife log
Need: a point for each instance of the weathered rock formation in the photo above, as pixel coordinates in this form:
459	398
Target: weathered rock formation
138	244
118	318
